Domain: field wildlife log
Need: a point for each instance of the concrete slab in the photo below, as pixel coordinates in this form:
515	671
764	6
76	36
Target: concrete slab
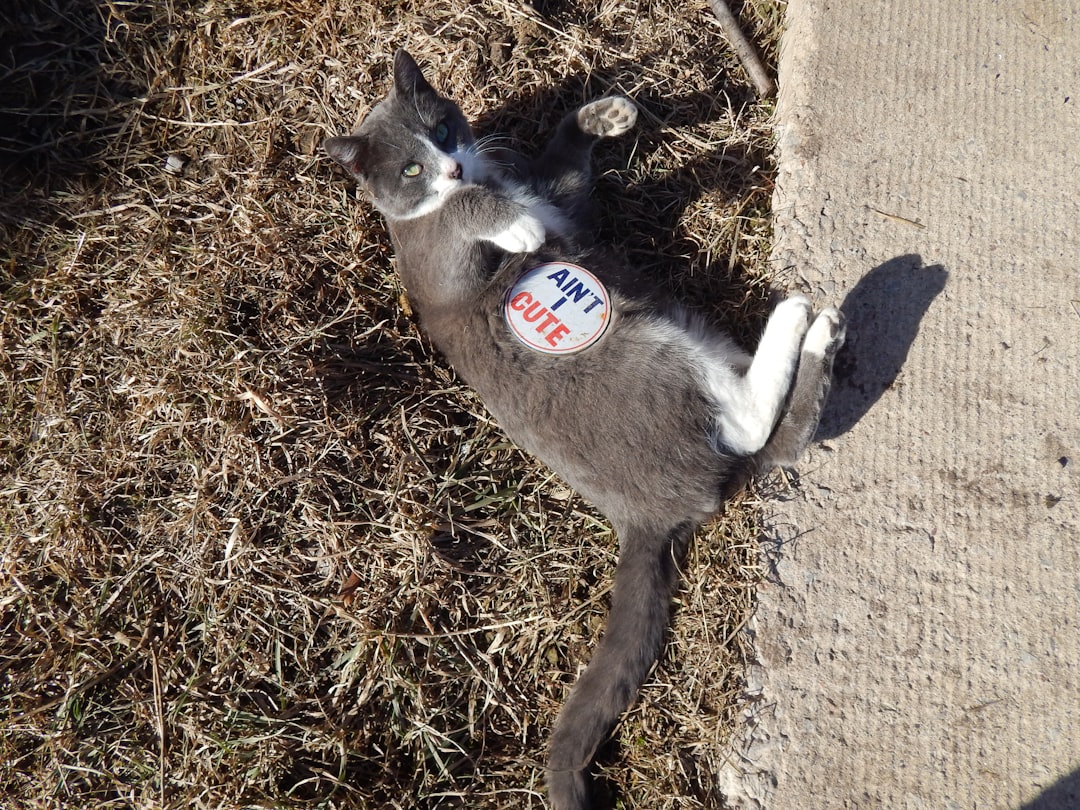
920	643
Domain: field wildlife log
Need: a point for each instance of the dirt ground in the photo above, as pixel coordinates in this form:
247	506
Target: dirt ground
258	546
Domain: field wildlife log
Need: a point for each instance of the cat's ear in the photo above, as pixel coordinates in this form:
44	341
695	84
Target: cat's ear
351	151
408	79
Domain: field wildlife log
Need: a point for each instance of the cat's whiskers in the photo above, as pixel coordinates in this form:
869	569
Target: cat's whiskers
490	145
485	153
484	140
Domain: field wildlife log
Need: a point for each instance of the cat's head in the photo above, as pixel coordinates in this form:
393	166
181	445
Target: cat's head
412	150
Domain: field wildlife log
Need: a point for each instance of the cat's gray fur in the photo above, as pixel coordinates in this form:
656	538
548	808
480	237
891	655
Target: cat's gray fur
656	424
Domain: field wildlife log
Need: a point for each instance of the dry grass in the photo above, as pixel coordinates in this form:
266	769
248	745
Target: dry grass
215	416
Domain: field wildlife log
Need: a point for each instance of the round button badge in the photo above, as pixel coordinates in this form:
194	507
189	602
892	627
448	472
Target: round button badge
557	308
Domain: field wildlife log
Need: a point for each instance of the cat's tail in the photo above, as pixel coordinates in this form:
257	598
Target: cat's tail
645	579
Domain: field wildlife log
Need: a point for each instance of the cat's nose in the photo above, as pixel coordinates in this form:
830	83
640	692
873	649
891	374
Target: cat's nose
455	173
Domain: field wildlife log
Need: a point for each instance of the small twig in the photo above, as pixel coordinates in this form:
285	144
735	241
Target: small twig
743	49
895	218
159	710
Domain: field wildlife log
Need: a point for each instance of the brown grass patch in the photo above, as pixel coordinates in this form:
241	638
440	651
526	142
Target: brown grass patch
215	416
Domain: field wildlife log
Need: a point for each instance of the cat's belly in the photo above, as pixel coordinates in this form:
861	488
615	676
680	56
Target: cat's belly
624	422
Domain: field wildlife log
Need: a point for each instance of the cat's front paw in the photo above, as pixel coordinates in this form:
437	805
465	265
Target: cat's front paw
607	117
524	235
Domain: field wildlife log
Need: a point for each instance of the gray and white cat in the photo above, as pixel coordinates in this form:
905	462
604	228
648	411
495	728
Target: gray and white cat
656	421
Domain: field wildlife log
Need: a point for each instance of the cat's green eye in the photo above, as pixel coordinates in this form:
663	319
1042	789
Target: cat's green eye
412	170
442	132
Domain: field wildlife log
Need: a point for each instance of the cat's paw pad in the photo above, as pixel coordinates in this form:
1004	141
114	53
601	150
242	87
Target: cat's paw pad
524	235
826	334
607	117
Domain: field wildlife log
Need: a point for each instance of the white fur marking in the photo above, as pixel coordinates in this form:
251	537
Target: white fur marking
474	168
778	352
549	215
524	235
748	392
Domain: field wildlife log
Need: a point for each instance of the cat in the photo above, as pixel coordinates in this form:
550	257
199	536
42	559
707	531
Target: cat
644	410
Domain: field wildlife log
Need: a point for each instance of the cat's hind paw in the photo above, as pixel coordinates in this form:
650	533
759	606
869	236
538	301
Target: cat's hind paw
524	235
607	117
788	324
826	334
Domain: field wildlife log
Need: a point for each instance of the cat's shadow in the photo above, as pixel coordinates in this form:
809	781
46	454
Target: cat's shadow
1062	795
883	312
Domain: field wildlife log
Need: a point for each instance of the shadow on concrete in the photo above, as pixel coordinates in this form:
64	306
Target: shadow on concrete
883	313
1062	795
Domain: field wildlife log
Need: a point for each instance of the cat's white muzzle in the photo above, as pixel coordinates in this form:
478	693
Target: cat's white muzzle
474	169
